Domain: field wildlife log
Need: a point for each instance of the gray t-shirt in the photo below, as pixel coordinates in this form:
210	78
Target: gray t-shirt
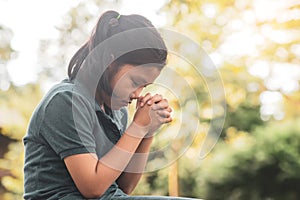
67	122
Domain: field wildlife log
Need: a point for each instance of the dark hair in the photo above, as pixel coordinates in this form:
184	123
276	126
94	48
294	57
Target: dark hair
111	23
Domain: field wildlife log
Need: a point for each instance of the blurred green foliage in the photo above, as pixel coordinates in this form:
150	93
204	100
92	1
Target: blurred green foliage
16	106
265	165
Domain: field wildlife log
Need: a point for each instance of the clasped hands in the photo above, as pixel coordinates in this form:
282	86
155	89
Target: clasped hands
151	113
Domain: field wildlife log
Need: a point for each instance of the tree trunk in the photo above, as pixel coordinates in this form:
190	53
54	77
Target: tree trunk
173	180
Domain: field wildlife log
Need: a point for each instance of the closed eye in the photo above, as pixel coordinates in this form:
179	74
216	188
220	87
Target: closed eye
135	83
139	83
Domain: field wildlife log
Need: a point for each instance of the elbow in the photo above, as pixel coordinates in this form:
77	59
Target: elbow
92	194
128	190
127	187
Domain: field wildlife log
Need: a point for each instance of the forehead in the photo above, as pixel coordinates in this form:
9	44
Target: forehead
145	73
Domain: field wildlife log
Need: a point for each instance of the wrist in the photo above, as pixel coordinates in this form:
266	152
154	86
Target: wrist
148	137
136	130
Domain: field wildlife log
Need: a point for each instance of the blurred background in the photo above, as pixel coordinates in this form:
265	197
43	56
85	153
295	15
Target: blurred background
255	45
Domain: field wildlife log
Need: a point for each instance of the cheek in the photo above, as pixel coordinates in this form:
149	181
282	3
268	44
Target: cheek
123	88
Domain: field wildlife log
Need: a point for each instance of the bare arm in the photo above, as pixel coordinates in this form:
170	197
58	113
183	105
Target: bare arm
134	170
92	176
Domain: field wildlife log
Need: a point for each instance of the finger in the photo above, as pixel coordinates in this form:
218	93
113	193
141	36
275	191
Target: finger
166	120
144	99
169	109
156	98
163	113
163	104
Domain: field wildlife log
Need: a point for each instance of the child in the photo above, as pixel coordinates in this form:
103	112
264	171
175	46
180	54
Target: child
78	144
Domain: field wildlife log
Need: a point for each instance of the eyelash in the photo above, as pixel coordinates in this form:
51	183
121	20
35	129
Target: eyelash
136	84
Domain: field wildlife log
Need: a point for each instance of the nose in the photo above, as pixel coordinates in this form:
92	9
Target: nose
135	94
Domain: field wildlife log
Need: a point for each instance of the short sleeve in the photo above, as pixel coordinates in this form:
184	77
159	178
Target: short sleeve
68	124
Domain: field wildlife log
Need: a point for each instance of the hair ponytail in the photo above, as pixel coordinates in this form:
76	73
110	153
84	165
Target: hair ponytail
77	60
99	34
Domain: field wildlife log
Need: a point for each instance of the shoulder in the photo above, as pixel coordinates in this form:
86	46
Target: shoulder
66	93
63	97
